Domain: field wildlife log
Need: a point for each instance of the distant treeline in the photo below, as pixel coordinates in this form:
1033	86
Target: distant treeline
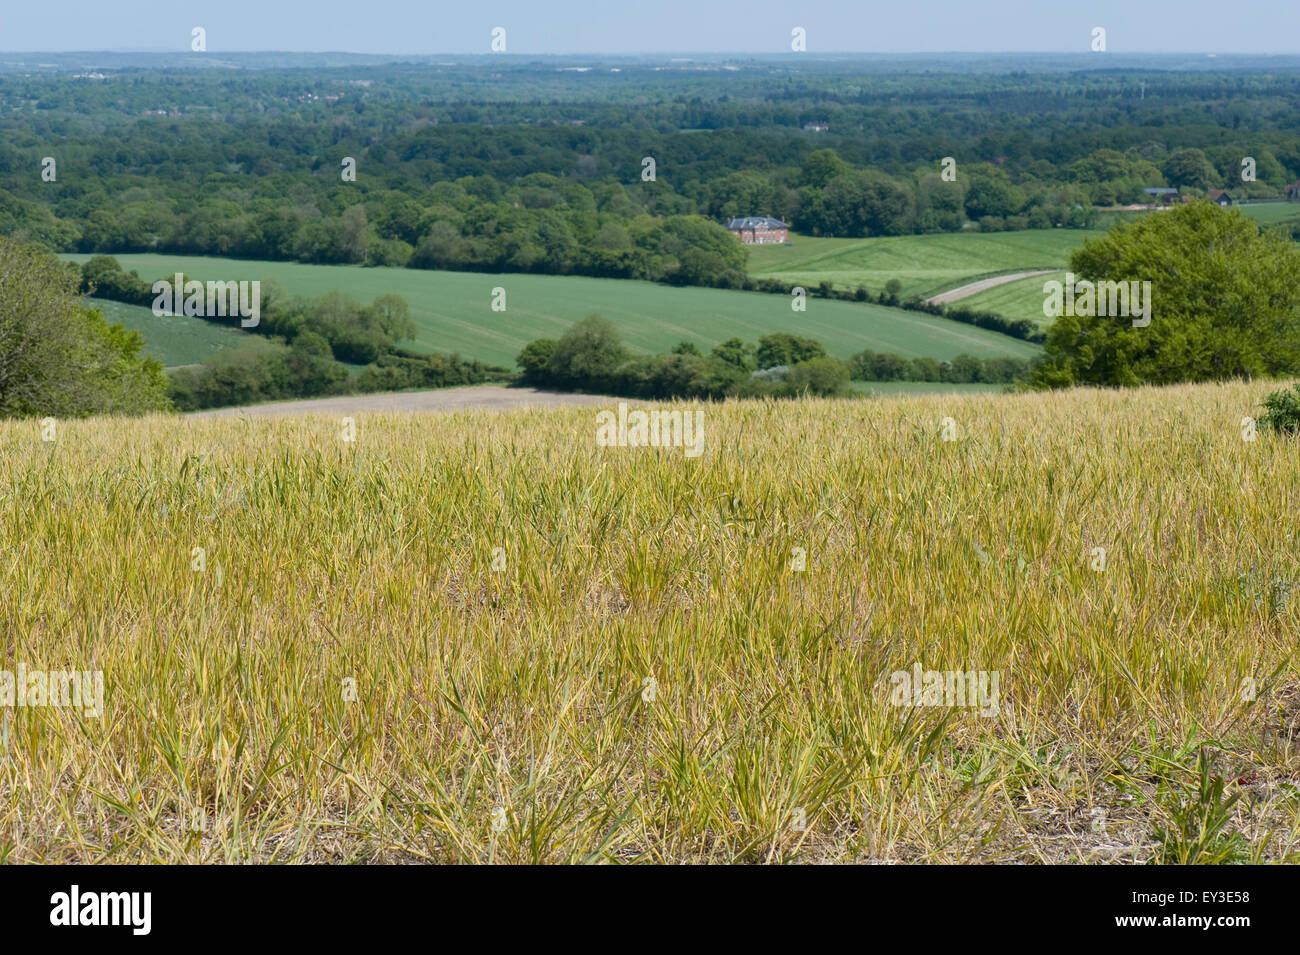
522	170
272	371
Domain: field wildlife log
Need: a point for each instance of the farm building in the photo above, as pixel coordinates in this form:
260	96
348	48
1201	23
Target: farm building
1292	190
816	127
1162	194
759	230
1219	197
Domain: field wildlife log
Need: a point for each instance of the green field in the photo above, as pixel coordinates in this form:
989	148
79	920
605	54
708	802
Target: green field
172	339
1271	213
925	264
1022	298
452	310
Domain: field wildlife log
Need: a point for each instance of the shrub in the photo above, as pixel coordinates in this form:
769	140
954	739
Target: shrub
587	356
1283	411
825	377
781	348
535	360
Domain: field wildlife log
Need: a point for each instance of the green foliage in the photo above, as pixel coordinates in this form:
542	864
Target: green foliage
782	348
1225	303
734	352
587	355
60	359
867	365
1199	815
591	357
1283	414
822	166
1190	167
821	376
992	197
535	360
399	372
862	203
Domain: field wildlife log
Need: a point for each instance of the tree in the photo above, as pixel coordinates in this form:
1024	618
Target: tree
859	204
781	348
1190	167
1225	303
940	205
535	361
60	359
818	376
587	355
392	316
993	197
734	352
822	166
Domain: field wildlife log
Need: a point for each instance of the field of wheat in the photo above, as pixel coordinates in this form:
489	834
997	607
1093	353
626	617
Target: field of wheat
482	637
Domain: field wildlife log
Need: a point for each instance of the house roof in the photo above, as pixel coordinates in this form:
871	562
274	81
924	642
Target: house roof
756	222
1215	194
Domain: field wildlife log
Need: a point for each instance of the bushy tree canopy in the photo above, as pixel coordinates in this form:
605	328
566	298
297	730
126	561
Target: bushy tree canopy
1225	303
60	359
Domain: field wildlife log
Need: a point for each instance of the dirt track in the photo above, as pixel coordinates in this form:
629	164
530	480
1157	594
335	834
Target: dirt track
964	291
471	398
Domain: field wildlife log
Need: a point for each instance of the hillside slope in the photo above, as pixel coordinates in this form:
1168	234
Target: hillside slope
631	654
452	310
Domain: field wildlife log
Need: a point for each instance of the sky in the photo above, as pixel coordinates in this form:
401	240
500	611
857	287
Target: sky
652	26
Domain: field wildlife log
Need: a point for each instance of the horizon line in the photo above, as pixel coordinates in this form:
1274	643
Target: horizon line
676	53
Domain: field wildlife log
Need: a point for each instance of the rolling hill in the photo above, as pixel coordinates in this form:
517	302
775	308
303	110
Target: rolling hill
172	339
452	310
925	264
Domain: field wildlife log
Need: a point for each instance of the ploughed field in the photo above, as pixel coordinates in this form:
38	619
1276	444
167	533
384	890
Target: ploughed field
481	636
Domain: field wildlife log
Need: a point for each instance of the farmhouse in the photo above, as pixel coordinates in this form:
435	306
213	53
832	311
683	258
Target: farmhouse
759	230
1219	197
1292	190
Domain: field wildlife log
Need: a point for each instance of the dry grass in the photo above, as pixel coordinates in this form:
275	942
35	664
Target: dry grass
227	736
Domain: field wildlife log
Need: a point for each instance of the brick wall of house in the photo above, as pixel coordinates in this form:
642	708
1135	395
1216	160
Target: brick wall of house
761	236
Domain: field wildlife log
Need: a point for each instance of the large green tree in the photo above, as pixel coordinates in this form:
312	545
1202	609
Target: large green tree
1225	303
59	358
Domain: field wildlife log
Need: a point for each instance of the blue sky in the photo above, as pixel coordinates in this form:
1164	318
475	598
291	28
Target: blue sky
638	26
